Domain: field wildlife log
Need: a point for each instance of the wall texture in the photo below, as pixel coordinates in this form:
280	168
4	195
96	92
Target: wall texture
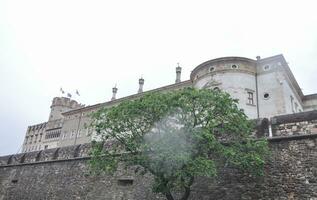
63	173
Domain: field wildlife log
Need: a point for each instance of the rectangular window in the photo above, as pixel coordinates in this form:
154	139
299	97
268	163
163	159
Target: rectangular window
46	146
250	98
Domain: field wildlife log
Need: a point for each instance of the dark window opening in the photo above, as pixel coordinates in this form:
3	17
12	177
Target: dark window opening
250	98
266	95
14	181
125	182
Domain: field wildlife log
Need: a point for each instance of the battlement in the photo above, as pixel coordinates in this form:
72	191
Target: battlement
66	102
35	127
47	155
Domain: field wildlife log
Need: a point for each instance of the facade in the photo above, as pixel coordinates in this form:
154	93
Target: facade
264	87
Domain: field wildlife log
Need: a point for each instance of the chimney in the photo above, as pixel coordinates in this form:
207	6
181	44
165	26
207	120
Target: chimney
114	92
141	83
258	58
178	73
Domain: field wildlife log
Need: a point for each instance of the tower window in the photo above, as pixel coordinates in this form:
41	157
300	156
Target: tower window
212	69
250	98
266	67
266	95
234	66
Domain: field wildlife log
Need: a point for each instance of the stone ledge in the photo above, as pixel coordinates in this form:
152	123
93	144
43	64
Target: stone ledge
47	161
292	137
296	117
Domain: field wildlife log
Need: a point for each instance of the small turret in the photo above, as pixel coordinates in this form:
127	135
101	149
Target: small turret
178	73
141	83
114	93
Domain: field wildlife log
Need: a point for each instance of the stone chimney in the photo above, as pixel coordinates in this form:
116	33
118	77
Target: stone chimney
141	83
178	73
114	92
258	58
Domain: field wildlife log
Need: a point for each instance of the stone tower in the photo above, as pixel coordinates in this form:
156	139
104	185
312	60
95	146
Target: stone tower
60	105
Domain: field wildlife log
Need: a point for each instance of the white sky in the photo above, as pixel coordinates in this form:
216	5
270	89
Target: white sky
93	45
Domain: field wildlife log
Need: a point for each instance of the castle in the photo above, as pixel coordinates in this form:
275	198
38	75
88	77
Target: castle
264	87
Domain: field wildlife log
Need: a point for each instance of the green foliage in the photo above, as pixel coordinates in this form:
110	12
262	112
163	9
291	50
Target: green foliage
177	136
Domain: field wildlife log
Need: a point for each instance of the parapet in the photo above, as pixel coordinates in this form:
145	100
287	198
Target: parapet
80	151
303	123
66	102
37	126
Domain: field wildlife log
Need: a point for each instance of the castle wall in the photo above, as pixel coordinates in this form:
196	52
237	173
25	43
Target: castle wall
310	102
275	79
290	173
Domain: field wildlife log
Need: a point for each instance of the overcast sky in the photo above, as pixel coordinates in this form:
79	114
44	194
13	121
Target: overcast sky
93	45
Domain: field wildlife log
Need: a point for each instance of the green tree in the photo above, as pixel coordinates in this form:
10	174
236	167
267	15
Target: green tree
177	136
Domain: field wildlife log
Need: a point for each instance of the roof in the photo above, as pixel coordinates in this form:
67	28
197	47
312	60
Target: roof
182	84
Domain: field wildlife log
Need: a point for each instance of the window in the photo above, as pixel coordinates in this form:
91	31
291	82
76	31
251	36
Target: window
72	134
46	147
266	96
250	98
266	67
211	69
234	66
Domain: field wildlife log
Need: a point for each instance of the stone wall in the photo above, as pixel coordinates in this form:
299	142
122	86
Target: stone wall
63	173
295	124
291	173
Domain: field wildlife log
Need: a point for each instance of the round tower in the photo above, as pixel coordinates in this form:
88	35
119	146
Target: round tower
235	75
60	105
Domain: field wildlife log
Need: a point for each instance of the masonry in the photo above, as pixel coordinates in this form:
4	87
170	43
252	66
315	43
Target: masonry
63	173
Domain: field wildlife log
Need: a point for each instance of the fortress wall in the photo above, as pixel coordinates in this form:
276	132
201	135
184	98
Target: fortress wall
290	173
295	124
